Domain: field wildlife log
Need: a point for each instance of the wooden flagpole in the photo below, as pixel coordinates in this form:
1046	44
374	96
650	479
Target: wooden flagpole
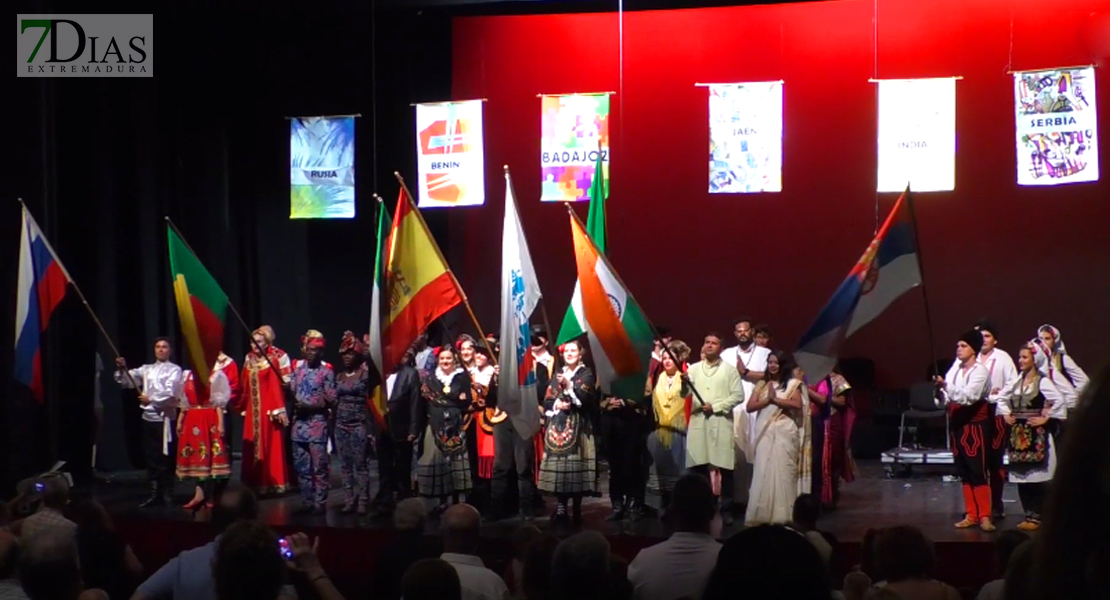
924	290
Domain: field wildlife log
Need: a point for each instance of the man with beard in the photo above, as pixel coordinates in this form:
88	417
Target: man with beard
750	360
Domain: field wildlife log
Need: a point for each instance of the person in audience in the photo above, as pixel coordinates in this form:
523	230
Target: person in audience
680	566
514	571
807	508
9	563
247	564
50	517
905	558
619	586
536	574
1004	547
304	561
858	580
768	562
431	579
49	568
580	568
409	546
1020	575
107	562
462	525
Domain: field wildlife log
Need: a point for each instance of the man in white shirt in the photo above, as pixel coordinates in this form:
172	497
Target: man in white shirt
1000	370
680	567
750	360
462	527
159	386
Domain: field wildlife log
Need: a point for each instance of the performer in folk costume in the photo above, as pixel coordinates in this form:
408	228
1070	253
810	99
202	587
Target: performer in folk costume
201	452
483	376
443	470
352	424
479	443
1029	403
833	417
710	448
569	467
1000	370
545	369
1054	361
964	390
159	386
655	365
750	359
264	378
782	447
672	404
515	446
314	398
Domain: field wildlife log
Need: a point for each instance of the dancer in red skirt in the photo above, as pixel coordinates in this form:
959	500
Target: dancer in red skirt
201	453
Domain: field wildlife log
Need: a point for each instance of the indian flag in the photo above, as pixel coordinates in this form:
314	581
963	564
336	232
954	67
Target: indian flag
378	404
619	334
201	308
595	226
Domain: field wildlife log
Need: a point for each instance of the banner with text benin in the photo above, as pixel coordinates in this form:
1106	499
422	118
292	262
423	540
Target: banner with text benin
201	308
917	134
451	155
620	337
745	137
1057	126
575	133
419	286
322	168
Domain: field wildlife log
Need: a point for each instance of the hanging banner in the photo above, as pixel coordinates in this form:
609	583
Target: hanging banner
450	154
1056	126
745	137
917	135
575	128
322	168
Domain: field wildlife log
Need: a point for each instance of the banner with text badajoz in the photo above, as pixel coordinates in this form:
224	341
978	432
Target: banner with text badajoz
322	168
450	154
1056	126
575	128
745	137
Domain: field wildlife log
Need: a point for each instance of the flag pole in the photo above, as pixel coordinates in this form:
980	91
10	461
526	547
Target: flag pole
466	302
84	301
609	265
924	290
543	300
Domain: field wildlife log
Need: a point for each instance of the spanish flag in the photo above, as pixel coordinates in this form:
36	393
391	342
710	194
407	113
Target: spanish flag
419	286
201	308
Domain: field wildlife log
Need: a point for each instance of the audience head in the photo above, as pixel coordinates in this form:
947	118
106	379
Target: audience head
431	579
537	567
580	568
1004	546
236	503
9	554
522	538
462	526
807	508
1020	575
768	562
904	552
410	515
89	515
693	505
867	551
248	564
49	568
55	492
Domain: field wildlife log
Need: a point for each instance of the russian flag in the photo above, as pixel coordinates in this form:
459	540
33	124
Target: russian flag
887	269
42	285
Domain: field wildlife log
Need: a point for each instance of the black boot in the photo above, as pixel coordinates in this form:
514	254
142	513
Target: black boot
618	513
634	509
576	511
155	499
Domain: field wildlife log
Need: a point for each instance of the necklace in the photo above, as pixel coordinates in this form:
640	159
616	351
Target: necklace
669	381
707	372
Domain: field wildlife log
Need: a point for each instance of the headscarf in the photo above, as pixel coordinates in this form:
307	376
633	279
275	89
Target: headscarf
312	339
350	343
1059	349
266	332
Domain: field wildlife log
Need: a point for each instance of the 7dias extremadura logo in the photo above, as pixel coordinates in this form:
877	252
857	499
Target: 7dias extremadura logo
85	45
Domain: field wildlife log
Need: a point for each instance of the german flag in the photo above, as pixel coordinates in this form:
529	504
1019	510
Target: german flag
201	308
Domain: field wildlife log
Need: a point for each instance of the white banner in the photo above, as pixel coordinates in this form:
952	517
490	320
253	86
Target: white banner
745	137
917	135
450	154
1056	126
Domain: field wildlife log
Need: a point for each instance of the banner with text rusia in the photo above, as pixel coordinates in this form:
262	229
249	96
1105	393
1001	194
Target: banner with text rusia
917	134
745	137
575	128
322	168
451	157
1056	126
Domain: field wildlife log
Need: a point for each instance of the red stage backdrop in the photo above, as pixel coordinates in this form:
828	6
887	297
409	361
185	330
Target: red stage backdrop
695	261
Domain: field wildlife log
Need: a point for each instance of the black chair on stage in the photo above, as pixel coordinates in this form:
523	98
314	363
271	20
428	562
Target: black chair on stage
923	408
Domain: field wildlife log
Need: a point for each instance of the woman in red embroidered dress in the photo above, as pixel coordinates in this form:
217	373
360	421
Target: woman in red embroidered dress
201	453
262	403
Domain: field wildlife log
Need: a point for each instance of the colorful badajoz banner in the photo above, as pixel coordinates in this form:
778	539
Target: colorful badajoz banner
917	134
745	137
575	127
322	168
450	154
1056	126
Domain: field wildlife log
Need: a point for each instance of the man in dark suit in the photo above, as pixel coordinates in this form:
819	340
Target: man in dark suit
395	447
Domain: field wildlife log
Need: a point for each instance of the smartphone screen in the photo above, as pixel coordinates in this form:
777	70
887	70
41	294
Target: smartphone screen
286	552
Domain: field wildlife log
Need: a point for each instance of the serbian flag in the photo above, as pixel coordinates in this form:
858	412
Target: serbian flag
378	403
620	337
201	308
887	269
42	285
520	293
418	284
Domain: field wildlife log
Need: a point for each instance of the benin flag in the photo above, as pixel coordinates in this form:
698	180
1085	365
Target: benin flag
620	337
419	286
201	306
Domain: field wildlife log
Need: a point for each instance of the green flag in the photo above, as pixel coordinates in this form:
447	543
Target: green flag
595	227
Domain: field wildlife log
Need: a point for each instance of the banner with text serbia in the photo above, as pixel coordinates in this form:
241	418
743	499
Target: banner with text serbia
450	161
1056	126
575	128
322	168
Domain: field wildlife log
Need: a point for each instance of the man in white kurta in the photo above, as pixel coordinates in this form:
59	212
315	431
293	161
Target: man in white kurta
709	437
750	360
1000	370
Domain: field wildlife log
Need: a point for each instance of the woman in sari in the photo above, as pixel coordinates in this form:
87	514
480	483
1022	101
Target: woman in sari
782	444
443	470
671	404
833	418
266	374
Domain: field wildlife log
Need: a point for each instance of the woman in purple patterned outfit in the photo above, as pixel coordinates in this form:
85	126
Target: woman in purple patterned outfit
313	387
352	424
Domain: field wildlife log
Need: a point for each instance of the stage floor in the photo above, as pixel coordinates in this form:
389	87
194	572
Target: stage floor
924	499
